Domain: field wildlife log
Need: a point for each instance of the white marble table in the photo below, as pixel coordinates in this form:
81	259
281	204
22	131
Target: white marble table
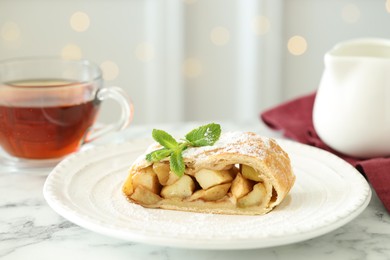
30	229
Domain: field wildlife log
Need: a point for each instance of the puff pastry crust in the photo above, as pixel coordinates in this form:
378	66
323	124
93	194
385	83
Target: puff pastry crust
241	174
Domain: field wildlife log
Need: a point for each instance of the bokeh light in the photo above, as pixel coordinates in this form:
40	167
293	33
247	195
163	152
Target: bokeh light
192	68
297	45
79	21
220	36
71	51
261	25
110	70
144	52
10	31
350	13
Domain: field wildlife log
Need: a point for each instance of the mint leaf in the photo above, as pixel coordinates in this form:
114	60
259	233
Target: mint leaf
201	136
164	139
204	135
158	155
177	163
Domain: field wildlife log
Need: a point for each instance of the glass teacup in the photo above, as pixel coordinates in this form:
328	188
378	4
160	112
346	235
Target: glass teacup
48	108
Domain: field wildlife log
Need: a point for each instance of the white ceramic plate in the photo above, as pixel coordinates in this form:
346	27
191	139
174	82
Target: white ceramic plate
86	189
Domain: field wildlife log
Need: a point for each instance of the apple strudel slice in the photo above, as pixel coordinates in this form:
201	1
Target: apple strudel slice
242	174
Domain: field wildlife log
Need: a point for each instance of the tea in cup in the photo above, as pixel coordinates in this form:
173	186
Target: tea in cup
48	107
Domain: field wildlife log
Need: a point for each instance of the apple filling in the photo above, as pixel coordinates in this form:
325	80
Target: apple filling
239	184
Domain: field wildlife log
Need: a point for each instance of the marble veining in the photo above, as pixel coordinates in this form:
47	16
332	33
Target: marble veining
30	229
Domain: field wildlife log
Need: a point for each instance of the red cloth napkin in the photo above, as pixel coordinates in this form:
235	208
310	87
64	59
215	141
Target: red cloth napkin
294	119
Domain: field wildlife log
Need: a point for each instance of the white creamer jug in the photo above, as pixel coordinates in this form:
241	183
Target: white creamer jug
351	111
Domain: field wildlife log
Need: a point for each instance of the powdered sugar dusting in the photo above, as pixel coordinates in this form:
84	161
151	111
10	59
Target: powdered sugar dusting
231	142
244	143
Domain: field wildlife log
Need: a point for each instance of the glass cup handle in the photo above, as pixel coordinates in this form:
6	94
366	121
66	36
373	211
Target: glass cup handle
125	115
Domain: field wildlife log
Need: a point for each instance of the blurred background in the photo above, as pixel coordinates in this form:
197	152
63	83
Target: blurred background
193	60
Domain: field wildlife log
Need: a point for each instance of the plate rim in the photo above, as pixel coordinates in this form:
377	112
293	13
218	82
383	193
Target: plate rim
68	213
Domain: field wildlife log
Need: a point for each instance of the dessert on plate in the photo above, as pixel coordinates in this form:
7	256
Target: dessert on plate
238	173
